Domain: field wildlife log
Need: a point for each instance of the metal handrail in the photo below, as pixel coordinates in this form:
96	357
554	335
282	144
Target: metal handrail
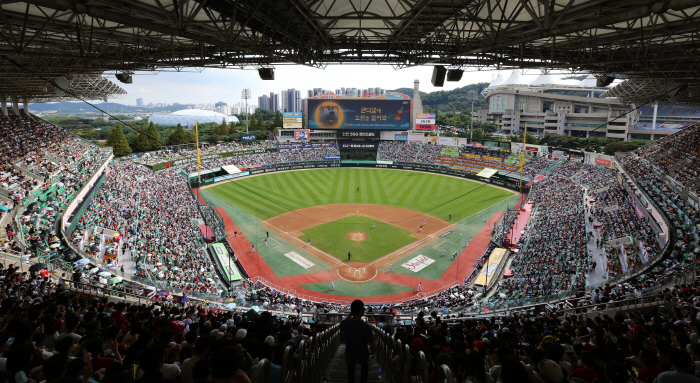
263	373
444	374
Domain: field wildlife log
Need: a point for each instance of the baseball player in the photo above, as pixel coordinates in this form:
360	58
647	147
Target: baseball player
349	255
484	219
420	287
373	224
252	250
489	226
454	256
268	234
332	286
391	267
425	221
466	242
420	230
450	218
265	241
308	243
444	251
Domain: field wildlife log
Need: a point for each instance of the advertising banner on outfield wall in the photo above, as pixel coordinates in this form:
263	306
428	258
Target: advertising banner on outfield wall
400	137
302	134
495	179
369	114
358	145
446	141
248	138
600	161
231	176
344	133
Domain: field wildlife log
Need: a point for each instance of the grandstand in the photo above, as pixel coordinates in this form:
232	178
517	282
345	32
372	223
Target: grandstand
594	239
106	275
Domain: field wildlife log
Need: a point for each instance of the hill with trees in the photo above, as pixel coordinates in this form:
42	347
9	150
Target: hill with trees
450	100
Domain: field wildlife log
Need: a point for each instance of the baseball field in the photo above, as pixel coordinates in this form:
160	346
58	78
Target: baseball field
373	232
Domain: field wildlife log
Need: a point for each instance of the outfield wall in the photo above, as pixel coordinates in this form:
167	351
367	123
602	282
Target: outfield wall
497	179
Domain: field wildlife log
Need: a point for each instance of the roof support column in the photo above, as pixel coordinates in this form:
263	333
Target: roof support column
15	105
653	120
3	104
25	104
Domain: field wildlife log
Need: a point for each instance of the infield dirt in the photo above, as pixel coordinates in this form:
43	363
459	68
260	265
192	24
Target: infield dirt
290	225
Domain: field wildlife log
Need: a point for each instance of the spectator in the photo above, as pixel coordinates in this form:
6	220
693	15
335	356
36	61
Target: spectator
358	337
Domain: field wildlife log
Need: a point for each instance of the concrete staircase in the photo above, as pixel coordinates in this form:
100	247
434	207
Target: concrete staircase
337	373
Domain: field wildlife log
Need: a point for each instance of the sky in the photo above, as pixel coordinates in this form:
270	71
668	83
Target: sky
213	85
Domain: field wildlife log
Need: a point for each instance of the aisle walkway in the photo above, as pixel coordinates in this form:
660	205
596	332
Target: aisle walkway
518	227
599	275
337	373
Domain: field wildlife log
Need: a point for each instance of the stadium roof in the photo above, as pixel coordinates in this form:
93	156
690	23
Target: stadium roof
543	82
663	91
639	38
75	86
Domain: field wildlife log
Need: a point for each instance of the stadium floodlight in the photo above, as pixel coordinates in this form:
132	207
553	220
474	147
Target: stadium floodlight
472	96
245	94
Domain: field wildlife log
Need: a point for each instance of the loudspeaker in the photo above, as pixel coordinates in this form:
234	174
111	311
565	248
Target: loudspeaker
439	72
267	73
604	81
124	77
454	74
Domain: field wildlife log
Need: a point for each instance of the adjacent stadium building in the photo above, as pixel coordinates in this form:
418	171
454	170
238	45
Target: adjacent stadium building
550	104
188	117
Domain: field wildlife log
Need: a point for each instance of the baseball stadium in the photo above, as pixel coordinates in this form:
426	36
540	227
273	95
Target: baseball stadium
362	228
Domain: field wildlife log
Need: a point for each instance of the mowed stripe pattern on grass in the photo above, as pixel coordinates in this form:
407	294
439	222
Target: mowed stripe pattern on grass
331	237
270	195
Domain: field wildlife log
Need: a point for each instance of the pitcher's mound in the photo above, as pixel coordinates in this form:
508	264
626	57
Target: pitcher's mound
357	236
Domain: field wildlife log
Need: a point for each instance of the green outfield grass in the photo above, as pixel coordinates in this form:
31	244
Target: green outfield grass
270	195
331	237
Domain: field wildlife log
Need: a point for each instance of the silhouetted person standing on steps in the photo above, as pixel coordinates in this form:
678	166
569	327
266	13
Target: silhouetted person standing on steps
358	335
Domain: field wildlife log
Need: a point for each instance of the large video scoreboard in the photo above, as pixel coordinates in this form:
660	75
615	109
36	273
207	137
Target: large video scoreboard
362	114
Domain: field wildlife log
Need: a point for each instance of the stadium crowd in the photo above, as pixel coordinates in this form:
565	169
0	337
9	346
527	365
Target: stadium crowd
49	334
399	151
287	153
158	217
185	153
536	166
677	155
554	257
52	334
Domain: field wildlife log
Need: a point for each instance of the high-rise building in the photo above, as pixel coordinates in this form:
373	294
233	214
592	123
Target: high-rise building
310	93
291	100
284	101
220	103
264	102
271	103
139	102
276	101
